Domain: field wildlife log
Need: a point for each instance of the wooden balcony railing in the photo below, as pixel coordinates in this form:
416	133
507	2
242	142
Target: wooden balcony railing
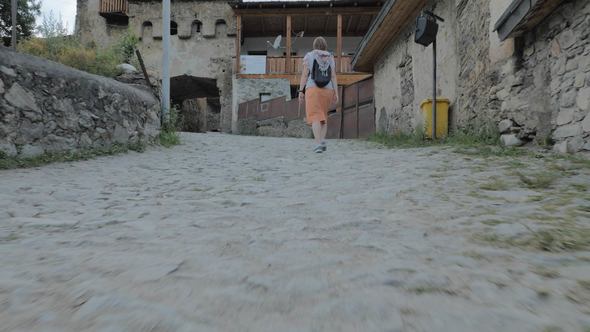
113	7
278	65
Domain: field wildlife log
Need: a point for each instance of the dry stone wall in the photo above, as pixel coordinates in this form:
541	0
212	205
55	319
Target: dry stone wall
46	107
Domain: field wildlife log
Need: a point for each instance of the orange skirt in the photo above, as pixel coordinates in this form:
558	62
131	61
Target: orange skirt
317	104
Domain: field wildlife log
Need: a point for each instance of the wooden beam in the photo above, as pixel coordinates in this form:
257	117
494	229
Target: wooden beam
307	11
358	24
288	34
343	79
339	44
350	18
238	42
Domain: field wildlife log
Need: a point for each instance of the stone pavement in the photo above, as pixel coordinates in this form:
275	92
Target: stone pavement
230	233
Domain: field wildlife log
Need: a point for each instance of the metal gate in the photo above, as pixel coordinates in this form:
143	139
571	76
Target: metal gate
356	116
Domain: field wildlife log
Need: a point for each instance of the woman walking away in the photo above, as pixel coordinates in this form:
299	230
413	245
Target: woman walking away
319	89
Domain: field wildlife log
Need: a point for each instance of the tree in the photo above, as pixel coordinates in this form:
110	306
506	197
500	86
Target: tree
25	22
52	26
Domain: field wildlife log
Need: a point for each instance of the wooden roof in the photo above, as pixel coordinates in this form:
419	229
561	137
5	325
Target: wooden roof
317	25
392	19
523	15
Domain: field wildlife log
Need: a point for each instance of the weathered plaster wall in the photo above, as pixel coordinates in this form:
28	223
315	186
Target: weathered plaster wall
203	47
47	107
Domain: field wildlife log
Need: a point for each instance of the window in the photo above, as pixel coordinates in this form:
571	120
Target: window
173	28
220	28
264	96
146	29
196	27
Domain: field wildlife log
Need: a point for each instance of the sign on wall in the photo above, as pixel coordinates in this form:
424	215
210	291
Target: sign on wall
253	64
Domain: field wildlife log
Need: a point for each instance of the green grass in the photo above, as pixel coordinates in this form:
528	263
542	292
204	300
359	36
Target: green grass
541	180
461	138
546	272
494	185
562	238
584	284
169	138
47	158
582	187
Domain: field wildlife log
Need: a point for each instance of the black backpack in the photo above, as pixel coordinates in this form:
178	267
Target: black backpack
320	78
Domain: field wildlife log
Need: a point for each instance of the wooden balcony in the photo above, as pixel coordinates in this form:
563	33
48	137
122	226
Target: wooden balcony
278	65
110	8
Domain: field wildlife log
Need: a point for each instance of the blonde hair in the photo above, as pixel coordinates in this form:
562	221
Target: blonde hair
320	44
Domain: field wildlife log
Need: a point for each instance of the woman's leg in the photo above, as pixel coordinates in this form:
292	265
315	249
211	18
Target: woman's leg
316	127
324	131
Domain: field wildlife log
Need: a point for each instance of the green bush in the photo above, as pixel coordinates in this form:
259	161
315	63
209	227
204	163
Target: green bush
70	52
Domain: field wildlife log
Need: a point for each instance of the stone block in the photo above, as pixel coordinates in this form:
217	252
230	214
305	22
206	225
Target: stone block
565	116
54	143
580	80
586	123
567	39
560	147
120	135
31	131
1	86
503	94
583	99
8	71
30	151
20	98
8	149
568	99
568	131
511	140
505	125
575	144
571	65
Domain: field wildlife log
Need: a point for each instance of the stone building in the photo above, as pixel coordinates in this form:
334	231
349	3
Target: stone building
225	51
202	46
524	62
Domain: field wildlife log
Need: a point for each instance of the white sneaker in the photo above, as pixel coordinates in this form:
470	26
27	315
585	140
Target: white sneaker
318	149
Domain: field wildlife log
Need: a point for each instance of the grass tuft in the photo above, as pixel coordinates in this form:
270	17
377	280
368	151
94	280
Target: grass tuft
542	180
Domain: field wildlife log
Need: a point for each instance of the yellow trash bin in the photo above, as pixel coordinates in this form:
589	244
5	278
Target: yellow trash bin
442	117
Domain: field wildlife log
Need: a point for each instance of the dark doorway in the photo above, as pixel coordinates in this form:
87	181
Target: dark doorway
197	102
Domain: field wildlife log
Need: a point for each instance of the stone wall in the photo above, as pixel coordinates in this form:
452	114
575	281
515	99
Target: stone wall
539	83
47	107
203	47
249	89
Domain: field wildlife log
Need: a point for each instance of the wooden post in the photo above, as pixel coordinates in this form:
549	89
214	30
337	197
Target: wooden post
288	34
238	43
339	45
